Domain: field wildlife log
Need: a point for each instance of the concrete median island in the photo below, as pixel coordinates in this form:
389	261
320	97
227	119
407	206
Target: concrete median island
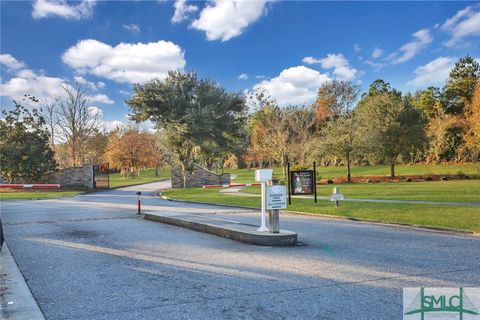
246	233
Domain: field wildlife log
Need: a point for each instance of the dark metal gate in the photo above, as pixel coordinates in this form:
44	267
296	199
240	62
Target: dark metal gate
101	176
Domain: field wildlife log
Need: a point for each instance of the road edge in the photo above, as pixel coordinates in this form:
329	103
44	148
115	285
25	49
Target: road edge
16	299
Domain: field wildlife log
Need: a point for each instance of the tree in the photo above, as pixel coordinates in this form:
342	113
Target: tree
390	128
24	145
335	98
95	147
428	101
49	110
160	155
472	134
78	122
301	127
194	113
444	134
129	149
339	138
376	88
269	135
460	85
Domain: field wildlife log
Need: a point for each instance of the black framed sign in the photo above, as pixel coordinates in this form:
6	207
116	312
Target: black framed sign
302	182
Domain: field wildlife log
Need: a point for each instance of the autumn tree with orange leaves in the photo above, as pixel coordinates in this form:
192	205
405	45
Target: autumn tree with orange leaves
472	116
129	149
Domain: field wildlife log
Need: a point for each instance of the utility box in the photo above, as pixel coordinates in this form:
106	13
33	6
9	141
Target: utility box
263	175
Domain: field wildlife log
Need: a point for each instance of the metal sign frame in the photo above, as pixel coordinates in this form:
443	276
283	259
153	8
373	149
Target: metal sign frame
291	188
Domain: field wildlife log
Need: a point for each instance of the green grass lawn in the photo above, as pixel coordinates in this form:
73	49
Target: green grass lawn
37	194
148	175
455	217
248	175
445	191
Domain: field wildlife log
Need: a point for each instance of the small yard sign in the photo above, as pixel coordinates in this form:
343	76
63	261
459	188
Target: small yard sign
276	197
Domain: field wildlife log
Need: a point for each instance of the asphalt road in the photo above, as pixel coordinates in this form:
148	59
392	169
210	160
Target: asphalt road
91	257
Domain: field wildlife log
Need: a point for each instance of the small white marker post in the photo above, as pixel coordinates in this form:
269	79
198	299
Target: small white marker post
263	176
336	196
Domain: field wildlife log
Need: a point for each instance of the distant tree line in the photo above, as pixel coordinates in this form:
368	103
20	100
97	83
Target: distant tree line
383	127
198	121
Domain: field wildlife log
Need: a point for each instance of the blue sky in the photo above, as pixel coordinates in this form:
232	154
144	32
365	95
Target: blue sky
289	48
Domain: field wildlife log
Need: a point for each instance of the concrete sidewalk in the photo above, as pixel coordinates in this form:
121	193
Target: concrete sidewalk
234	230
16	300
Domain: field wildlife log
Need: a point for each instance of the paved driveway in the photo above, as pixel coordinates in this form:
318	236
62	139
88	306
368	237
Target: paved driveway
91	257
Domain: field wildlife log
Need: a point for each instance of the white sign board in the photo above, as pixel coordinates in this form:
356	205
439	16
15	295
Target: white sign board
336	197
263	175
276	197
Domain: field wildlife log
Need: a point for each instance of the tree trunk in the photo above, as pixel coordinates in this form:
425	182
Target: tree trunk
74	158
392	169
184	175
156	171
349	176
284	167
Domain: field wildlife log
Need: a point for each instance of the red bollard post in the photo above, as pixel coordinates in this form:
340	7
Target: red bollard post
139	204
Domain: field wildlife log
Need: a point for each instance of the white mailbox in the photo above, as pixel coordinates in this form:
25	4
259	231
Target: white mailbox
263	175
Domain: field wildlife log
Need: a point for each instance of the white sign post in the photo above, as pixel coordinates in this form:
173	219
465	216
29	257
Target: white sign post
336	196
263	176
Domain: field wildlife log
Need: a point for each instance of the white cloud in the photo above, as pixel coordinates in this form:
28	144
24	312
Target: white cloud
95	111
132	63
357	48
182	10
27	81
464	23
310	60
451	22
133	28
226	19
376	53
46	8
243	76
100	98
340	65
127	93
421	39
295	85
10	62
82	81
433	73
101	84
109	126
375	65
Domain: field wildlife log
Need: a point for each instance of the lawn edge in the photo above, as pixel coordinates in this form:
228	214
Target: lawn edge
328	216
38	199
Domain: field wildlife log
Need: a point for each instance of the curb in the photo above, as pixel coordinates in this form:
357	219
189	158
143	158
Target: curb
227	229
16	299
327	216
